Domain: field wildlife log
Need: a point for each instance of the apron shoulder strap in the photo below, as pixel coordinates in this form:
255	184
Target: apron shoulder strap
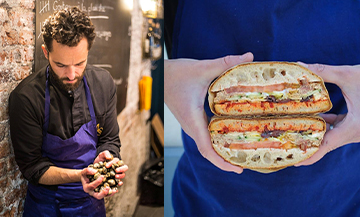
89	100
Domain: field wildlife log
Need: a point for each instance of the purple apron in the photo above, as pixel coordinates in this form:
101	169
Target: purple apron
76	152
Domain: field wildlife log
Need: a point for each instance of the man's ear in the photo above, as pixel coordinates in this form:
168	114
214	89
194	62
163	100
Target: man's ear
46	52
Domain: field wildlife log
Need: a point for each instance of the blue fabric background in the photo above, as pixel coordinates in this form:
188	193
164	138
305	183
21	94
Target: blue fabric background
309	31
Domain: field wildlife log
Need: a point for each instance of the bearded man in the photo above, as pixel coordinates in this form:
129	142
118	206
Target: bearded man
63	118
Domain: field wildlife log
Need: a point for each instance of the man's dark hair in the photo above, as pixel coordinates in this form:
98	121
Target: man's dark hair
68	27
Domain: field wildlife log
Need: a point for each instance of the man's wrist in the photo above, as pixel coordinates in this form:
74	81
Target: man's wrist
56	176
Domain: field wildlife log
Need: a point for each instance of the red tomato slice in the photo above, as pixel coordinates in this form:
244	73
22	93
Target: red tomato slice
255	145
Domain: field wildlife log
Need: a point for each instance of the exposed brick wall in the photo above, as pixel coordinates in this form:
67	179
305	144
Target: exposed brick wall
17	38
16	59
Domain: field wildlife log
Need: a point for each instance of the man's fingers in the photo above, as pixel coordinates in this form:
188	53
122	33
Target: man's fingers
230	61
332	140
111	162
203	142
204	146
329	118
120	172
122	169
103	156
108	156
333	74
333	120
102	193
88	171
120	183
85	172
96	182
217	66
120	176
90	187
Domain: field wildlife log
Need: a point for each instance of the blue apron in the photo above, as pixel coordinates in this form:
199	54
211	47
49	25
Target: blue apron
288	30
76	152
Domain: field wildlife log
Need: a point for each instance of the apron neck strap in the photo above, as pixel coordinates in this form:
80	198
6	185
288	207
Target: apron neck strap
89	100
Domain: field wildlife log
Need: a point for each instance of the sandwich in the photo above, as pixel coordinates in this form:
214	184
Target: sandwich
266	144
266	115
268	88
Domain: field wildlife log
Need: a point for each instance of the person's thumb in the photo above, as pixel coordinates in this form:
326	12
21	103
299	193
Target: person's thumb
339	75
217	66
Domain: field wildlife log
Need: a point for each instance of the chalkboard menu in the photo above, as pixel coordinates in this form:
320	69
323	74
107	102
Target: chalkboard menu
111	49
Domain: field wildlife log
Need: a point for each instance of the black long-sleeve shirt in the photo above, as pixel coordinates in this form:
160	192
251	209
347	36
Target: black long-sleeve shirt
68	112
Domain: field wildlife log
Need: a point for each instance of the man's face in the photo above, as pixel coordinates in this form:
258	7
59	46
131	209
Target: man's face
68	63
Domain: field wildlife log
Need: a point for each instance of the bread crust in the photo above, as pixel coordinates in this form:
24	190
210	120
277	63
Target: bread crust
265	159
262	165
266	73
263	73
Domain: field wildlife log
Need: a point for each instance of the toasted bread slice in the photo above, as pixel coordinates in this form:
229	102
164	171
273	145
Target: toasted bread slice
268	88
266	144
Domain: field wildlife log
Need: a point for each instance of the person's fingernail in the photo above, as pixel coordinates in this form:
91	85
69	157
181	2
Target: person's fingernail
303	64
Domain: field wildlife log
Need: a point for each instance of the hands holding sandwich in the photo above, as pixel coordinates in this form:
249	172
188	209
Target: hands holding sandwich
187	104
345	127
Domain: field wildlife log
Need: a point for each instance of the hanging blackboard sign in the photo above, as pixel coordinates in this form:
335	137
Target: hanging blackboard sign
111	49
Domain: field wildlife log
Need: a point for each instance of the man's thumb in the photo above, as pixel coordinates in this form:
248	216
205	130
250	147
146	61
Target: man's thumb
218	66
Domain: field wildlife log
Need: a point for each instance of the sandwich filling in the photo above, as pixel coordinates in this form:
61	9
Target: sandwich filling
278	139
276	93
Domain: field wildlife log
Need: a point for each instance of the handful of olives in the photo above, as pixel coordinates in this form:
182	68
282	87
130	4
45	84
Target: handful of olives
108	173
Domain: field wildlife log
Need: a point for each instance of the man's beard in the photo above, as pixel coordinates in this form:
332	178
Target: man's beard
60	81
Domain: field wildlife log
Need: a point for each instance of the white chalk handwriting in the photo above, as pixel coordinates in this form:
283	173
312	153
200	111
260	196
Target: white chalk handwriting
103	34
44	6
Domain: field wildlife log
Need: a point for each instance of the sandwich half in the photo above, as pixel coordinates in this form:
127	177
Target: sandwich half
266	144
268	88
